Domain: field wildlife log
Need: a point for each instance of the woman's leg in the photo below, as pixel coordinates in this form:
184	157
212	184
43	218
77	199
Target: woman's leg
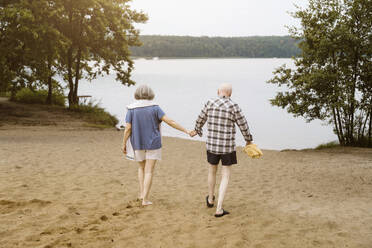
141	177
223	187
212	171
149	171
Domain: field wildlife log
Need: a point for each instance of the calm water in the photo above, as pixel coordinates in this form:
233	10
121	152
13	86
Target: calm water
182	86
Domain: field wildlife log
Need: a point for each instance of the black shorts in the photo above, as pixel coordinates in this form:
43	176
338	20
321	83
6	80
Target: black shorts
226	159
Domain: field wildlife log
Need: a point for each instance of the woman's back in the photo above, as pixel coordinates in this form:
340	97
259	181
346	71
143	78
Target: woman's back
145	123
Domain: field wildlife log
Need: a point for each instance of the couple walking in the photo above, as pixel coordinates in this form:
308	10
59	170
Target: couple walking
142	138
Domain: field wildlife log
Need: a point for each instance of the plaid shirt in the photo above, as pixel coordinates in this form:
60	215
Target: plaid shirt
221	114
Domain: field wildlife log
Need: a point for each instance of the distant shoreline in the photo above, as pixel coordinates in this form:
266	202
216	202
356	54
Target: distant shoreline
217	47
164	58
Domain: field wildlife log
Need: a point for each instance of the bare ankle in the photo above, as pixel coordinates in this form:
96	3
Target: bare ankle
146	203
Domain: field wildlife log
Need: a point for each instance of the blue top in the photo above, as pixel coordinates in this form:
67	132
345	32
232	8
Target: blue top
145	123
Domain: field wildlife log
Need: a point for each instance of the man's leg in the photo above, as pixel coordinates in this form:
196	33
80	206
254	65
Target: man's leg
223	187
211	181
141	176
149	172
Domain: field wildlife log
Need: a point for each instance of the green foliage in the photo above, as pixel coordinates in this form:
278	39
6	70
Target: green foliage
26	95
328	145
4	94
99	34
95	115
73	39
186	46
332	80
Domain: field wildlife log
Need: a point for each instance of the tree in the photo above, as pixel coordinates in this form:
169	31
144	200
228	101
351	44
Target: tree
46	46
29	44
73	38
14	32
332	78
99	34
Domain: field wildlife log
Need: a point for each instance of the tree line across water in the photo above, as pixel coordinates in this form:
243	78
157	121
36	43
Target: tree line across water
216	47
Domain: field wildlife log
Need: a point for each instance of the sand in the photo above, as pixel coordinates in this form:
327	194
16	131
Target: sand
72	187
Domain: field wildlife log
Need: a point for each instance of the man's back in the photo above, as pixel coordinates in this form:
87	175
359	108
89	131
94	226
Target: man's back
221	114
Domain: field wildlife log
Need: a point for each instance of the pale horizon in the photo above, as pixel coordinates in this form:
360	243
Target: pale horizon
217	18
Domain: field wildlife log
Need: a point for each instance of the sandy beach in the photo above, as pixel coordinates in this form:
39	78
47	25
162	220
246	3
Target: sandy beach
63	185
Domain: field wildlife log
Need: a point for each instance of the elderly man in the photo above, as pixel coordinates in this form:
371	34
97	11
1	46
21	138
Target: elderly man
221	114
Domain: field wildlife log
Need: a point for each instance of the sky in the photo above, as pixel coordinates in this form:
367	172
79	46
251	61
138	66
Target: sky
216	17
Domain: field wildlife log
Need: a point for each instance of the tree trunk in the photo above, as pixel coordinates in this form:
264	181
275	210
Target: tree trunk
336	125
342	142
77	76
50	86
345	117
352	110
13	91
370	128
364	124
70	80
50	91
69	65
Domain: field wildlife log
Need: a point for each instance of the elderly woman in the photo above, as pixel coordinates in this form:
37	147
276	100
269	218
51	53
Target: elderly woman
143	121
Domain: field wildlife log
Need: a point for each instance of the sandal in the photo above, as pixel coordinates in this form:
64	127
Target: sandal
210	205
223	213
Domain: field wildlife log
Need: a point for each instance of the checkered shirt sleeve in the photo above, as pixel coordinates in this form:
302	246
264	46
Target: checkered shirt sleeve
242	124
202	118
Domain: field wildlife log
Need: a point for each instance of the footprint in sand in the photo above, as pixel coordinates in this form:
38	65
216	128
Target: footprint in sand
267	223
95	228
103	218
11	206
134	203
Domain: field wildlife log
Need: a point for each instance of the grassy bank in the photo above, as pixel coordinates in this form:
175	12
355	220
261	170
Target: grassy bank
94	115
331	144
91	112
40	114
29	96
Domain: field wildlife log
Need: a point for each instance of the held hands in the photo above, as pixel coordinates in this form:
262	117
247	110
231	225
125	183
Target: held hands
192	133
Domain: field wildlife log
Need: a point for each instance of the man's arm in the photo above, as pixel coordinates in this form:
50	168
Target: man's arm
202	118
243	125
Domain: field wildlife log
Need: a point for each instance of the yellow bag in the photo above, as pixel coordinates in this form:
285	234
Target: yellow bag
253	151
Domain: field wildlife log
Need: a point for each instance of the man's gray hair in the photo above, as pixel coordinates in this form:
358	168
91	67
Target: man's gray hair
226	89
144	92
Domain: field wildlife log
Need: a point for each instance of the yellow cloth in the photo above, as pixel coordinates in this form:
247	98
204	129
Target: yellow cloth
253	151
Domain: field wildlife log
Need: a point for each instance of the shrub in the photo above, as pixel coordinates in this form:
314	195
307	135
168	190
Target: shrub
4	94
331	144
93	113
26	95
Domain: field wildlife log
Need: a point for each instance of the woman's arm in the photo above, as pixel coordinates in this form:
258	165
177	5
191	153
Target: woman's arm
127	133
174	124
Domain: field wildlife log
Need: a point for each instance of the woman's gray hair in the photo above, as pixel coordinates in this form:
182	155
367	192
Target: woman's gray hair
144	92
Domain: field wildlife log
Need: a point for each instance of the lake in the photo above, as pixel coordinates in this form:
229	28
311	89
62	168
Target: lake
182	86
